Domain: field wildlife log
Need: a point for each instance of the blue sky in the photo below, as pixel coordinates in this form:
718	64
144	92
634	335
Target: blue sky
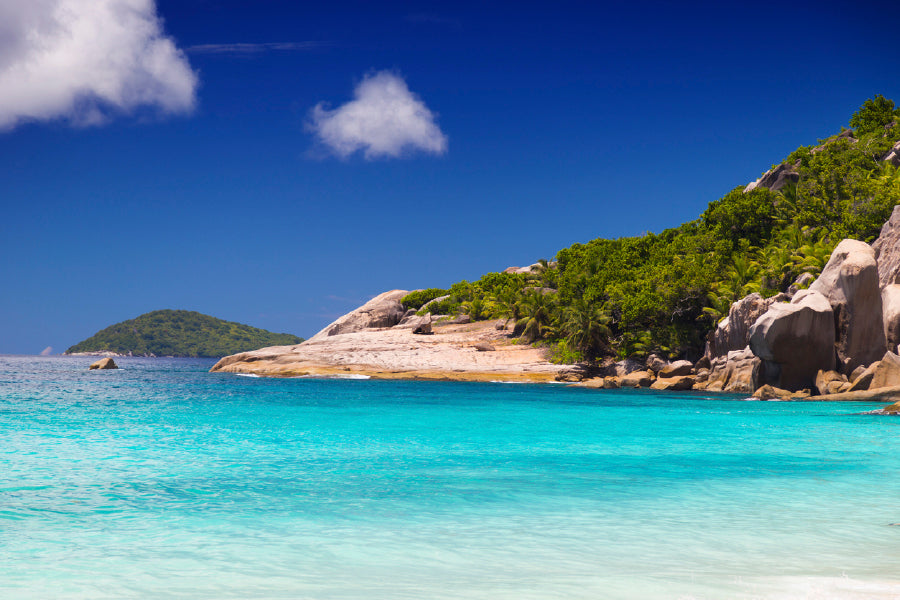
183	163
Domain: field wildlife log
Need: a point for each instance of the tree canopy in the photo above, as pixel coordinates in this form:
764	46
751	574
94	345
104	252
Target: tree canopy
662	292
181	333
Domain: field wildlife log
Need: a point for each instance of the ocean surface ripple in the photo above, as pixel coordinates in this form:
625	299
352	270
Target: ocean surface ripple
163	480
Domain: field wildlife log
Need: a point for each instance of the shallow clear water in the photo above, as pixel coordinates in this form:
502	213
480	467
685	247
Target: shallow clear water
162	480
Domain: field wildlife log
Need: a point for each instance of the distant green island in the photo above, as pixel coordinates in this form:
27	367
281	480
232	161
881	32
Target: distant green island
181	333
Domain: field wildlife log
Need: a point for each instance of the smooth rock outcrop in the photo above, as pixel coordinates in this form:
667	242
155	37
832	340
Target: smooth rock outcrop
893	155
795	340
863	380
776	178
427	305
733	332
637	379
676	369
803	281
656	363
850	283
830	382
886	372
674	384
768	392
738	371
104	363
383	310
890	303
891	409
887	250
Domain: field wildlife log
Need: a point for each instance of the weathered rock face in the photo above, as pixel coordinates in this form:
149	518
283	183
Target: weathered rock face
893	155
413	322
104	363
776	178
435	301
768	392
738	371
864	379
637	379
678	368
803	281
383	310
831	382
795	340
672	384
733	332
656	363
890	303
887	250
886	372
850	283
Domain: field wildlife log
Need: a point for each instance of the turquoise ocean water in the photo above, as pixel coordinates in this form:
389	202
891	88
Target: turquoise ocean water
161	480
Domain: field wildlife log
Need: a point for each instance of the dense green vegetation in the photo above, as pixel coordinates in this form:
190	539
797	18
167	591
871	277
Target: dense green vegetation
663	292
181	333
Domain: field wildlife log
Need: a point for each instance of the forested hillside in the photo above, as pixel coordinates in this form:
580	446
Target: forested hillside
181	333
663	292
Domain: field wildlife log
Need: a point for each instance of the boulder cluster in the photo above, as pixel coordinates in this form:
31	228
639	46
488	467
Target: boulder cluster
385	311
838	336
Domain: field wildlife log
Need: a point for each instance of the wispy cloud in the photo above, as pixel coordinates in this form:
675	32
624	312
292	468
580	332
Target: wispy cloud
433	19
384	120
86	60
259	48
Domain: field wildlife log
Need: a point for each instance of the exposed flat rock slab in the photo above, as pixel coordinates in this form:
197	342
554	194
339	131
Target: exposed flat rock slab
391	353
885	394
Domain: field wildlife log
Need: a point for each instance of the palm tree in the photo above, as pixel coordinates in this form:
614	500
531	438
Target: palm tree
586	328
537	309
473	307
510	306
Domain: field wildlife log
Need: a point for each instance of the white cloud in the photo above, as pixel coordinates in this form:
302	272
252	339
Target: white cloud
384	119
84	60
245	49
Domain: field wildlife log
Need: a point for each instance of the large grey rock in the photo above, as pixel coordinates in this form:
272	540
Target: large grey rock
887	250
850	283
674	384
776	178
739	371
637	379
803	281
416	324
890	306
795	340
893	155
383	310
656	363
733	332
679	368
887	372
427	305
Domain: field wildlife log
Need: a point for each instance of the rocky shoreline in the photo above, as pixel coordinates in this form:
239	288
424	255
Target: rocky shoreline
449	350
836	340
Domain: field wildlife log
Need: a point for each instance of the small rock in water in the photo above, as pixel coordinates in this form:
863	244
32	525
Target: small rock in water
104	363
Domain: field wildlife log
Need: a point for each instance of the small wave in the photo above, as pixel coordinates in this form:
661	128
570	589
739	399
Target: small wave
247	375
